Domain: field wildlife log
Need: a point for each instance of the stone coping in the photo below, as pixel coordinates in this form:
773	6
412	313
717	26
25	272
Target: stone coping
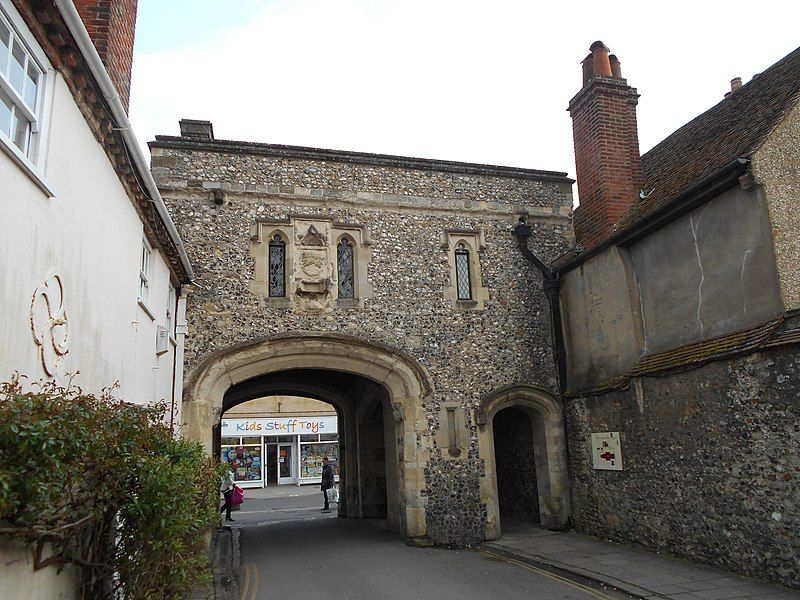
364	158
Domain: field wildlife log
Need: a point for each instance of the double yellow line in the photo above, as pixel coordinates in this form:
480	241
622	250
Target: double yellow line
251	581
579	586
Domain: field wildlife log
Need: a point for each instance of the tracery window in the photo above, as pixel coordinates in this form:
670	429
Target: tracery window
346	269
463	282
277	267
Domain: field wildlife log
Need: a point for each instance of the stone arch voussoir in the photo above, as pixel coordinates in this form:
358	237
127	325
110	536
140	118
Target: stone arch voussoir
405	380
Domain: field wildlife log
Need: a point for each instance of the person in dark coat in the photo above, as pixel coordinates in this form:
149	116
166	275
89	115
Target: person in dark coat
327	481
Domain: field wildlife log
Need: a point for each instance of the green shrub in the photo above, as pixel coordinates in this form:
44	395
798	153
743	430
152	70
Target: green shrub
104	485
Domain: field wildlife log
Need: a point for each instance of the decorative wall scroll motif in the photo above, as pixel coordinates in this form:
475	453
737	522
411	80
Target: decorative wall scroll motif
49	324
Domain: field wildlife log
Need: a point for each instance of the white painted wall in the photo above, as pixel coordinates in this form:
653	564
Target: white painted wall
91	235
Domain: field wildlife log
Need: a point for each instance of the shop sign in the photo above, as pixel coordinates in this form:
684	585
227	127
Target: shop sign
606	451
278	426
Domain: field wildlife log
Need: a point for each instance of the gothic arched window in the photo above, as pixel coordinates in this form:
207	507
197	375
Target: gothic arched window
346	270
463	282
277	267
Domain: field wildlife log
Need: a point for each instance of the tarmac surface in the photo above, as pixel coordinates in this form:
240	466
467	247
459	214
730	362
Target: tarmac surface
280	546
290	550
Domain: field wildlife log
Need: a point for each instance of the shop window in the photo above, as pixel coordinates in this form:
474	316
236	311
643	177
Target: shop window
245	461
309	438
311	456
346	269
230	441
329	437
277	267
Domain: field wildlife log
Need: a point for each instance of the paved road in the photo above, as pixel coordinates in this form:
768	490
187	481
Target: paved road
291	551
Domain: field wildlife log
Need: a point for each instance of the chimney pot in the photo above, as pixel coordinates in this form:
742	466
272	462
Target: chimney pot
736	83
587	69
616	67
198	130
608	163
600	63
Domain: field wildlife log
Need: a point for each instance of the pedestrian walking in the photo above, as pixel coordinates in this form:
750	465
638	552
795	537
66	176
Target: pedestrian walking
327	481
226	484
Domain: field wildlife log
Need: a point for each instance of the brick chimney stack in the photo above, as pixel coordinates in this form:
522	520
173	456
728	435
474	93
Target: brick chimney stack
111	25
607	160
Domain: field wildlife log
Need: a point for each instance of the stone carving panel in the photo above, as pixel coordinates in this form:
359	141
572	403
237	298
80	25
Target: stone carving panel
312	270
49	324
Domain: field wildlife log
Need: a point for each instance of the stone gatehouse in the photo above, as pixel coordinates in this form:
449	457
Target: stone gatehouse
393	289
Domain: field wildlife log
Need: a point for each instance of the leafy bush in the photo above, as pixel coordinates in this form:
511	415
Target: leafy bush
103	484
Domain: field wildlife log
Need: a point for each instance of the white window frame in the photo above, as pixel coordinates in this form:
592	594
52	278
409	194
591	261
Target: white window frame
145	271
172	303
32	161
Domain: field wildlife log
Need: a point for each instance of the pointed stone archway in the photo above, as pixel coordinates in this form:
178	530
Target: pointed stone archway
404	382
550	454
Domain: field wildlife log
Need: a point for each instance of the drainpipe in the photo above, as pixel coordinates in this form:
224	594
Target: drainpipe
552	287
78	30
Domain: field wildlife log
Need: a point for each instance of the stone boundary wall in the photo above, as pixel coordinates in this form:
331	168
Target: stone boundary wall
710	465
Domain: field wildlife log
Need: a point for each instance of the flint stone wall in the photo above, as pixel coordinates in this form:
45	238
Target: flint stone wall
711	465
405	210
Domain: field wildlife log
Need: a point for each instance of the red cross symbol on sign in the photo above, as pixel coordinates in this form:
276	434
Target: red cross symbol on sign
607	456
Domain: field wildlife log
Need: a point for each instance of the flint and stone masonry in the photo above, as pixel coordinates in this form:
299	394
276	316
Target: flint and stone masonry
405	219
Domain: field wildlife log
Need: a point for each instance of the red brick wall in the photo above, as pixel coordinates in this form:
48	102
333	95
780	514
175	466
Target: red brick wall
111	25
608	165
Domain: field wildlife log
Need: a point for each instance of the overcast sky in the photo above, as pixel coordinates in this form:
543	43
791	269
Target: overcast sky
485	82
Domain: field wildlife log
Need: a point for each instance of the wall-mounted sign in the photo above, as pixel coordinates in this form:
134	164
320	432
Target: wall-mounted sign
606	451
278	426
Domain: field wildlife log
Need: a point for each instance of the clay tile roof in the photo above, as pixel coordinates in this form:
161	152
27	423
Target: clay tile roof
699	353
734	128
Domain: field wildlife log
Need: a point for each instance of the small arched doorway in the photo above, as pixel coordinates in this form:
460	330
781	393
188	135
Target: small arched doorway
377	393
515	462
523	444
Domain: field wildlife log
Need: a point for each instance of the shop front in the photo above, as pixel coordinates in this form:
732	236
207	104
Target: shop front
279	451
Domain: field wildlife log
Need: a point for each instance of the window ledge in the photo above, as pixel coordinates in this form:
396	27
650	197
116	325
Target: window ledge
146	309
24	163
467	303
347	302
278	300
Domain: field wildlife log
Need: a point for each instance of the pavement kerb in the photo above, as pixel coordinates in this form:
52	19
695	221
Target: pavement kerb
533	560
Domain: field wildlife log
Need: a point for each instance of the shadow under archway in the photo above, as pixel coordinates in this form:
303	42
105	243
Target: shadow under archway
367	465
230	375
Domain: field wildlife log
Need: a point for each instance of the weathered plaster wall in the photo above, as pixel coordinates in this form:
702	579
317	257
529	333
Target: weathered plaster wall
776	165
91	236
710	465
406	212
709	273
601	318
